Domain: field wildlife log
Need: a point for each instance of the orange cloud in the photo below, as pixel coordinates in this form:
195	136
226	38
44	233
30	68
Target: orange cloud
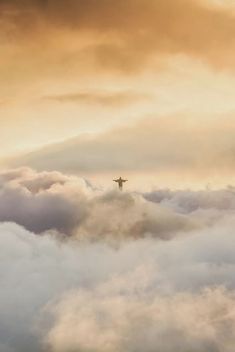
124	34
113	99
164	145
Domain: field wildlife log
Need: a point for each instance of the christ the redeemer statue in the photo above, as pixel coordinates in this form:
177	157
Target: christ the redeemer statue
120	182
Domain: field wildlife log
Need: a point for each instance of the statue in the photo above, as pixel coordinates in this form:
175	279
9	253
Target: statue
120	182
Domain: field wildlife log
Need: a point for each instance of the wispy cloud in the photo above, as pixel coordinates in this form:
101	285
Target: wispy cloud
104	99
178	144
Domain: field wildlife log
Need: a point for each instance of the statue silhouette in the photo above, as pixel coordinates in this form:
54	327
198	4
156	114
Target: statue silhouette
120	182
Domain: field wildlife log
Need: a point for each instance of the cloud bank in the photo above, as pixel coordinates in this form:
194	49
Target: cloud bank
69	205
114	322
111	271
170	143
123	35
146	295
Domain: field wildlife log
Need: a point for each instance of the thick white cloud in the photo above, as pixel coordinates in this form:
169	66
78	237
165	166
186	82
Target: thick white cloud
187	201
42	201
147	295
63	295
101	321
51	201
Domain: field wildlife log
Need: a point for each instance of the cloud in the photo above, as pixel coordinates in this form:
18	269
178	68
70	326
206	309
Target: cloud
162	144
69	205
187	201
101	321
42	201
103	99
151	271
116	217
123	35
65	296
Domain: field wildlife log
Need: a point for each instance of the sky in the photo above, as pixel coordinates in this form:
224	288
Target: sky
134	87
91	90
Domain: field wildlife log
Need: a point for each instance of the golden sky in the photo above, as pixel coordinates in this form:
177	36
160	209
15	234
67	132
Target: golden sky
102	87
